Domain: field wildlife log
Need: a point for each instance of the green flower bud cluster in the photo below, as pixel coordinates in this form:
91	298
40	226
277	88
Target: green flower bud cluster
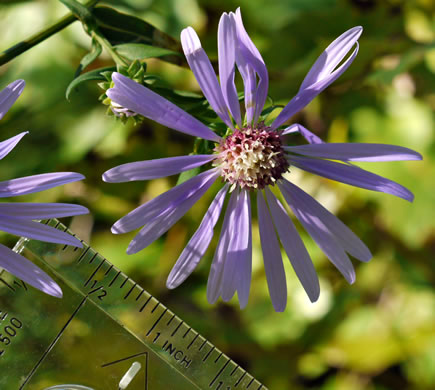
136	71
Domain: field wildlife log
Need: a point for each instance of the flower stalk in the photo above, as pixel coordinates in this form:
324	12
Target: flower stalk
41	36
119	60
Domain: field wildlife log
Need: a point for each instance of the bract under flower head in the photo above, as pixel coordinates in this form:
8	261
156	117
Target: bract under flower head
251	158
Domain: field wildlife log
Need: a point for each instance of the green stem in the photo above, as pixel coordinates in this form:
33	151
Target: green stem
106	44
41	36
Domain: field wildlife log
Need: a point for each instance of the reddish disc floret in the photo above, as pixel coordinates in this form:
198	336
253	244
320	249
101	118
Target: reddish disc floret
252	157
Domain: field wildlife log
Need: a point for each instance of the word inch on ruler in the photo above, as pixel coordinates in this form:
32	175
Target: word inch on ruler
104	325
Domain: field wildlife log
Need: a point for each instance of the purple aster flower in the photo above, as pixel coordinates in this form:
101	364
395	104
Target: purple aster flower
250	159
20	218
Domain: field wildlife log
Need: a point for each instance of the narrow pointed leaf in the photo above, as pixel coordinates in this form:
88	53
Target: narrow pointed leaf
120	28
142	51
89	58
93	75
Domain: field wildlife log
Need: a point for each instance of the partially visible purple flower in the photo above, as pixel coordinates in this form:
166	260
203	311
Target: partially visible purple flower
20	218
251	158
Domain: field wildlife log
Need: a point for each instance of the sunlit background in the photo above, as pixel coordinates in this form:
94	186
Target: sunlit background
376	334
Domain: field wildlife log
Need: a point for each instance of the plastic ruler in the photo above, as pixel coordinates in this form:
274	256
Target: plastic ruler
106	333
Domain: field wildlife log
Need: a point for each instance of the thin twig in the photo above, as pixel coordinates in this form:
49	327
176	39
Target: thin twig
41	36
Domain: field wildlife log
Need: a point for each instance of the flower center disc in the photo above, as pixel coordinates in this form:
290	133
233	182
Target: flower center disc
252	157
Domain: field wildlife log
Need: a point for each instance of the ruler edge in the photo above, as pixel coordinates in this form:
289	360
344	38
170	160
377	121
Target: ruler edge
20	246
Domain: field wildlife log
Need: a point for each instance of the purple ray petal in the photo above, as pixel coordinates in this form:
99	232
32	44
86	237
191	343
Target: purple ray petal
244	266
153	169
305	96
238	250
325	82
168	200
204	73
296	104
228	284
7	145
356	152
9	95
323	237
322	73
167	217
37	231
332	56
272	259
294	247
40	210
28	272
198	244
249	60
345	237
249	84
36	183
307	134
215	278
352	175
227	39
294	128
142	100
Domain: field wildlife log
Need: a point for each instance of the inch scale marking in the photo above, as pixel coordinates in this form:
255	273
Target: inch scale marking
104	323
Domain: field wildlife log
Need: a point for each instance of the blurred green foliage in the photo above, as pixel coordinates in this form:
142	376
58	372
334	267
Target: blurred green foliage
377	334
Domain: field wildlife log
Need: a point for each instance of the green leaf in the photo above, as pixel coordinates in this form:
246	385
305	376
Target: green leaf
90	57
92	75
82	13
268	110
186	175
141	51
203	146
120	28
